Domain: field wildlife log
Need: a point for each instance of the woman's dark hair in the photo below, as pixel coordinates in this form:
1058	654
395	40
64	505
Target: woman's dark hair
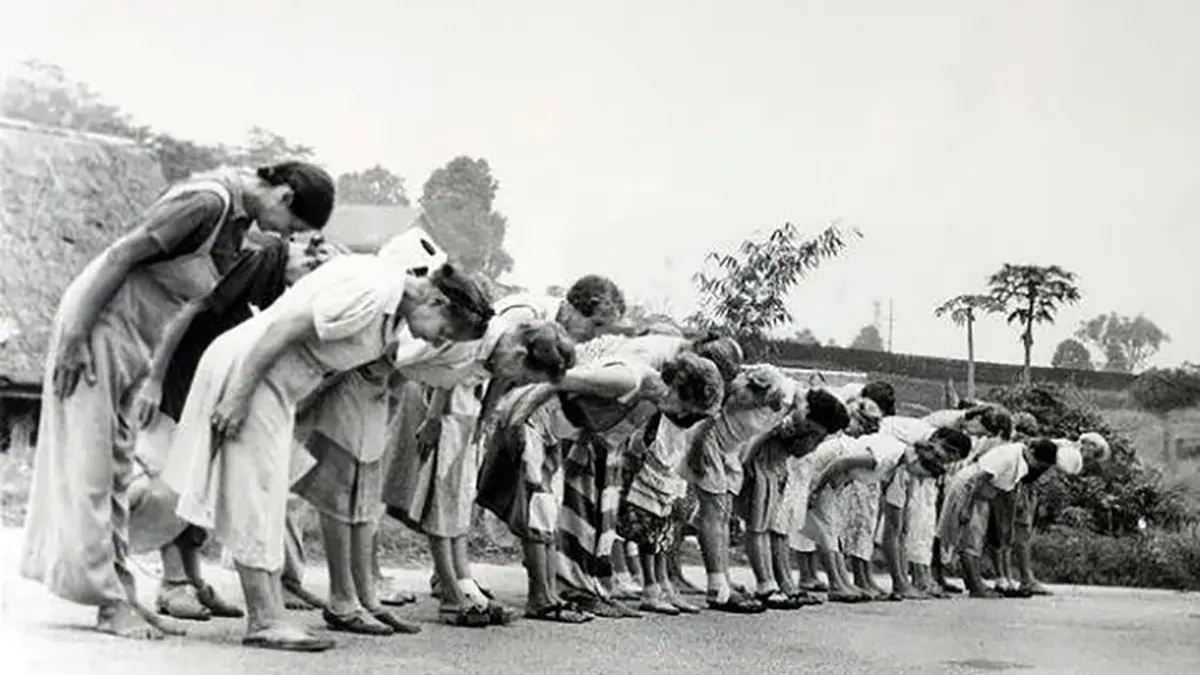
1045	451
695	379
723	351
883	394
932	458
549	350
997	421
312	189
825	409
1025	423
590	294
470	303
958	443
800	435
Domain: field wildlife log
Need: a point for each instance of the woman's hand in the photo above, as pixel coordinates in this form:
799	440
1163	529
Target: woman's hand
72	362
429	434
228	416
146	402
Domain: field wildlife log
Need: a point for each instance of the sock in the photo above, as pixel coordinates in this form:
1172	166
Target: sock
718	587
668	588
625	580
652	592
469	588
767	587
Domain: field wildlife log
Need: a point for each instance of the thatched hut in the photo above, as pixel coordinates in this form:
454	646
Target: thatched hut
65	196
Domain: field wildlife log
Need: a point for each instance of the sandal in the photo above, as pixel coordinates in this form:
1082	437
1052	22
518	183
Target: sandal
500	615
814	587
284	639
397	598
178	601
394	622
737	604
360	623
559	613
778	600
659	606
806	599
847	598
465	617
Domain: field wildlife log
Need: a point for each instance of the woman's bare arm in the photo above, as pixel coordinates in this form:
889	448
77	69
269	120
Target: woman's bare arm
172	335
842	466
285	329
612	381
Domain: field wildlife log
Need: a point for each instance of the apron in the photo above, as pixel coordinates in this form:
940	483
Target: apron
76	531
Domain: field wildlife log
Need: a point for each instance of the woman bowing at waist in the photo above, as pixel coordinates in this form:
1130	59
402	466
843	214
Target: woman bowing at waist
230	457
109	320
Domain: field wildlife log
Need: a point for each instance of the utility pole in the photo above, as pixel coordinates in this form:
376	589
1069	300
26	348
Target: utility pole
891	322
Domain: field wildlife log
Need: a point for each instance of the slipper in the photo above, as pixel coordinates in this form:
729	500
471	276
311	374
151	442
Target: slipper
847	598
359	623
806	599
814	587
1037	589
559	613
219	608
465	617
271	639
737	605
1011	592
779	601
398	599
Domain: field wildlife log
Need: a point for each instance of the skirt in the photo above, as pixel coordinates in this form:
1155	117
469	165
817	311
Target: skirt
761	496
238	490
153	522
862	519
920	521
340	486
962	524
652	533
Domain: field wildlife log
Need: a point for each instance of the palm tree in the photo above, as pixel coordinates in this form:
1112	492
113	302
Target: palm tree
1031	294
963	310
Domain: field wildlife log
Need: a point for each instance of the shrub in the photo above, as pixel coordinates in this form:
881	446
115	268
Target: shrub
1114	496
1153	559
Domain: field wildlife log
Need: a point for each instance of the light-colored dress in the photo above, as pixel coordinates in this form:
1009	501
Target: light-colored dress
863	494
821	522
435	493
238	489
76	528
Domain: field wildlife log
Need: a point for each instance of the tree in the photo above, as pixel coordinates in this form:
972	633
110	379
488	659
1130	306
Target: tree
458	202
43	94
965	310
1030	295
805	336
868	339
1072	354
264	147
1127	343
746	295
375	185
1161	391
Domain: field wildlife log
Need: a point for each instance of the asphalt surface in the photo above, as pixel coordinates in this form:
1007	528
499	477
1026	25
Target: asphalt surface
1079	630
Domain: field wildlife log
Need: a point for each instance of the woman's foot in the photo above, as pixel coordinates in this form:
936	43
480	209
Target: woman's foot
559	612
1035	588
464	616
297	597
219	608
658	605
287	638
178	600
813	586
501	614
358	621
123	620
672	596
394	622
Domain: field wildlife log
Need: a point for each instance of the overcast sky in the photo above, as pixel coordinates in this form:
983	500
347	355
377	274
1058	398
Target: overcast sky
629	138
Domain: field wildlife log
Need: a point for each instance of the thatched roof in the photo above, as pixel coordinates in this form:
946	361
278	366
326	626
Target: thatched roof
364	228
65	196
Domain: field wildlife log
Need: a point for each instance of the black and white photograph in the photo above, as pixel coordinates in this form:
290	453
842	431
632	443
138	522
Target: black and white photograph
546	336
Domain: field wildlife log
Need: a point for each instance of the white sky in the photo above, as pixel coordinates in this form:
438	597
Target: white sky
630	137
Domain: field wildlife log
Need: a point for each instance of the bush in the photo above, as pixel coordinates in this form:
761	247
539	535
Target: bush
1154	559
1111	498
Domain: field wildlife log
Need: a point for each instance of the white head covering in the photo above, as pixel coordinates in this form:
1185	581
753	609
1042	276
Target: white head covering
1098	440
413	248
1070	459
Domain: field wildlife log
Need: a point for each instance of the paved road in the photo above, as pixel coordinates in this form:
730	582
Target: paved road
1080	630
